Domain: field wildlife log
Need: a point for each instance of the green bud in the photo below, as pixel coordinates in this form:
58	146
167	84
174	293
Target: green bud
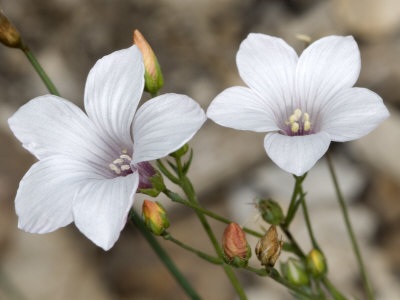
153	76
316	263
181	151
155	217
294	271
270	211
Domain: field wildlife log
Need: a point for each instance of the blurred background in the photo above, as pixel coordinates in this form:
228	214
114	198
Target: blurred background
196	43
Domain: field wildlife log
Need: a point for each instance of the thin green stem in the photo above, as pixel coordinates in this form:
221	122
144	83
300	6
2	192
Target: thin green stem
211	259
188	189
334	292
350	231
274	274
163	255
38	68
307	219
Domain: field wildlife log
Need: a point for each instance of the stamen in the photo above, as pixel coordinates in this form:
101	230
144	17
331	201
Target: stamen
307	125
125	156
297	113
115	168
295	127
118	161
124	151
306	117
297	123
125	167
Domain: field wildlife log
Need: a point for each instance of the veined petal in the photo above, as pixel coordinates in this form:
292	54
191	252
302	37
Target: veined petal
241	108
268	65
353	113
164	124
113	90
325	67
50	125
45	194
296	154
101	207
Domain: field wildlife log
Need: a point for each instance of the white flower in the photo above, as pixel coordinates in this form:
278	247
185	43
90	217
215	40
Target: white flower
89	165
305	102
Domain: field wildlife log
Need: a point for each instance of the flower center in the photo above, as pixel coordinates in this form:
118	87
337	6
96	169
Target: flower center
122	165
299	123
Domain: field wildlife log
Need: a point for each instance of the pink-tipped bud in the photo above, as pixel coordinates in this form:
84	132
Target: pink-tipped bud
153	76
235	246
155	217
9	35
269	247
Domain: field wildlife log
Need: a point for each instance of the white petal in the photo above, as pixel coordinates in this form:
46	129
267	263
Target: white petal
164	124
325	67
101	208
49	125
45	194
353	113
113	90
268	65
296	154
241	108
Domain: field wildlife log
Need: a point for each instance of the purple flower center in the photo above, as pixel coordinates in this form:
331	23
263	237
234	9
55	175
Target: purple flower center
122	165
299	123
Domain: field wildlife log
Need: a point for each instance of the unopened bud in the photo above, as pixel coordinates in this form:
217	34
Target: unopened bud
181	151
316	263
151	181
269	247
153	76
9	35
236	249
155	217
294	271
270	211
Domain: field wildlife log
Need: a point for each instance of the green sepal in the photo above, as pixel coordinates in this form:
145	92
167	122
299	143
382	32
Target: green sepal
152	85
158	185
181	151
270	211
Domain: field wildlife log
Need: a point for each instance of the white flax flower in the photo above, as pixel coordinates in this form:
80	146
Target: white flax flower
90	165
303	102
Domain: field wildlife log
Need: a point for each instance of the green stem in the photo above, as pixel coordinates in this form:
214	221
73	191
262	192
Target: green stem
292	206
38	68
274	274
334	292
211	259
163	255
307	219
188	189
176	198
350	231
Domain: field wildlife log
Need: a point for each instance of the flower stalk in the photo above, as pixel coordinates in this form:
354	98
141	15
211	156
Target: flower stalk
350	231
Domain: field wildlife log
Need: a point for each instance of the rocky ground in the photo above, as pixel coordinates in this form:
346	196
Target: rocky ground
196	43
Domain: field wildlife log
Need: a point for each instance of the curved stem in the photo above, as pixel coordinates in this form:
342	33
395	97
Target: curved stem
209	258
38	68
163	255
307	219
350	231
334	292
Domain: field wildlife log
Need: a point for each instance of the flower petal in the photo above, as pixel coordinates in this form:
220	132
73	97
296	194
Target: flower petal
45	194
164	124
241	108
353	113
325	67
50	125
268	66
296	154
113	90
101	208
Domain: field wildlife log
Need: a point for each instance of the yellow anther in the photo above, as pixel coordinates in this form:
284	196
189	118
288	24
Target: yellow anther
118	161
295	127
297	113
124	151
306	117
125	167
115	169
292	119
307	125
125	156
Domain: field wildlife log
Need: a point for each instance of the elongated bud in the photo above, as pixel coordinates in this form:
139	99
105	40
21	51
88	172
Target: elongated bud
236	249
9	35
269	247
155	217
151	181
153	76
294	271
181	151
316	263
270	211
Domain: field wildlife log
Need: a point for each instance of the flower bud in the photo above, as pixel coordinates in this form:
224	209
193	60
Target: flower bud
151	181
295	272
155	217
153	76
181	151
269	247
270	211
9	35
236	249
316	263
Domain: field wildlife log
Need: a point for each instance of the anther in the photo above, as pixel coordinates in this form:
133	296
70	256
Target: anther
125	156
125	167
307	125
118	161
306	117
115	168
124	151
295	127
